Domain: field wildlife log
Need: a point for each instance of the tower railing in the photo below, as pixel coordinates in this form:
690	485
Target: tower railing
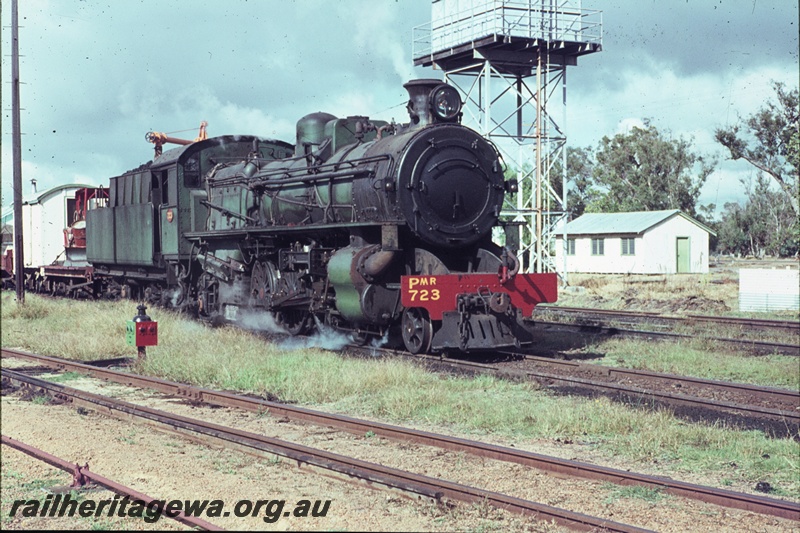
510	19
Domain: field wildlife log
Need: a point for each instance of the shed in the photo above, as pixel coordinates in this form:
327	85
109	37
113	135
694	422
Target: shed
640	242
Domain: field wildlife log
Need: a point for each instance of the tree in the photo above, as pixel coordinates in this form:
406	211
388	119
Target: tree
580	187
645	171
580	190
770	141
731	230
765	225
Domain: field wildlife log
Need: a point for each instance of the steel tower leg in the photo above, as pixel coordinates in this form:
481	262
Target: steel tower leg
513	113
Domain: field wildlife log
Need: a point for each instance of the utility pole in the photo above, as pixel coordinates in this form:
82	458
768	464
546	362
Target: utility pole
19	277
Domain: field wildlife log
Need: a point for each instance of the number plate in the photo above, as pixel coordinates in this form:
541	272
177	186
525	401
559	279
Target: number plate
438	294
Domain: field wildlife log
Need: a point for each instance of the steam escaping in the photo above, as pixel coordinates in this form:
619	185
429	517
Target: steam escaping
190	327
263	321
173	296
376	343
325	337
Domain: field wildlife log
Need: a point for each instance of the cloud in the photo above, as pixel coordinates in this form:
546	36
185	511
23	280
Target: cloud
698	36
690	107
682	104
627	124
98	75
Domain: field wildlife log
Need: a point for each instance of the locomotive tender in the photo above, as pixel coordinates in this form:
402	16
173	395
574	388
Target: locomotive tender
375	229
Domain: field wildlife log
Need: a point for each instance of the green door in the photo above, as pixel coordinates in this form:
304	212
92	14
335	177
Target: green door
683	260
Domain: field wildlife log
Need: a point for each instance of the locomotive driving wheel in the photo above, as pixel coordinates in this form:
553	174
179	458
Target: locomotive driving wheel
417	330
263	282
294	321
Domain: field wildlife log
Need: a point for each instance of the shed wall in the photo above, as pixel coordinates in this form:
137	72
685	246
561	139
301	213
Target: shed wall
655	251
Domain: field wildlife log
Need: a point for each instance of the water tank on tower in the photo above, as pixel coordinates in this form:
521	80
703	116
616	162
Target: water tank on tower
509	59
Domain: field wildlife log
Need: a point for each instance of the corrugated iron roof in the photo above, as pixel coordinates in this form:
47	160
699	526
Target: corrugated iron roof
635	222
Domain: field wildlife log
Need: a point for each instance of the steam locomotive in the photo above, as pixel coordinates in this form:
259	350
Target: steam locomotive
376	229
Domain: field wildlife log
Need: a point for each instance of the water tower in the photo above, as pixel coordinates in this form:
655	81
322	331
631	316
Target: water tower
509	59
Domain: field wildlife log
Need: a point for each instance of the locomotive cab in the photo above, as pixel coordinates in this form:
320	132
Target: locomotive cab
138	241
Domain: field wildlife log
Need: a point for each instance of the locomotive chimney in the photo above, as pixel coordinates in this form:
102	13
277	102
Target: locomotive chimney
419	109
432	101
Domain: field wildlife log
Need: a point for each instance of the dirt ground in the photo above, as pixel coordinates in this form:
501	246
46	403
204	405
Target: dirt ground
715	293
167	466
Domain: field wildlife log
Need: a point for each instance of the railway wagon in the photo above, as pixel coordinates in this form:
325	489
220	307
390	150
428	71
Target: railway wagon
54	241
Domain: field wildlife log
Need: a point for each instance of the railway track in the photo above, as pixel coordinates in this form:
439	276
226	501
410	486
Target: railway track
754	346
348	468
82	476
774	410
721	497
745	394
595	321
756	324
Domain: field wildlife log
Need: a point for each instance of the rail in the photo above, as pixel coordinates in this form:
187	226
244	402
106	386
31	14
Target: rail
84	475
346	467
759	504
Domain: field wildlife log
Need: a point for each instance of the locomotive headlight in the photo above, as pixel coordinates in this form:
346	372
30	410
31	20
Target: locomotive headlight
446	102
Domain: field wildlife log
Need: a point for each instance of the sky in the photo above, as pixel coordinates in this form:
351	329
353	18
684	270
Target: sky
97	75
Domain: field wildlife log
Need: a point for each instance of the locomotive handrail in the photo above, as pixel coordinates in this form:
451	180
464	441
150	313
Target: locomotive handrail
322	173
353	173
306	220
227	212
323	166
245	231
263	183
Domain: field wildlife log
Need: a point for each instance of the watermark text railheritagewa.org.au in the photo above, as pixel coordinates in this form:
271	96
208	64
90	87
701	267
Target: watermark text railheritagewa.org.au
268	510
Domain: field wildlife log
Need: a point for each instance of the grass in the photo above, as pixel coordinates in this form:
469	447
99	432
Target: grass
682	293
41	400
22	490
691	359
37	484
399	392
715	293
81	330
617	492
66	376
15	487
33	309
130	438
